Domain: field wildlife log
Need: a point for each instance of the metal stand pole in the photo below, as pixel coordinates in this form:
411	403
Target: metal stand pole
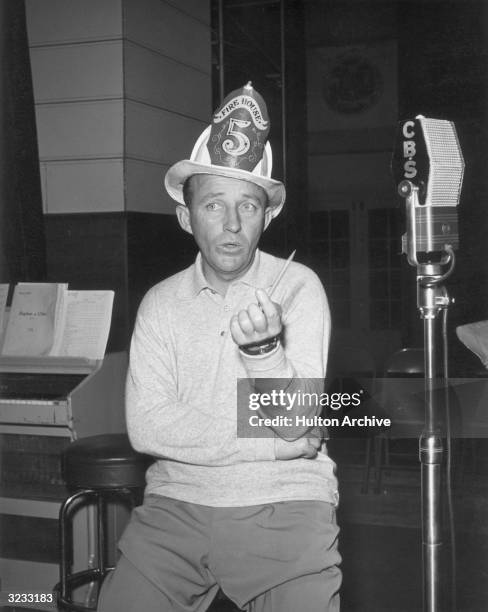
431	298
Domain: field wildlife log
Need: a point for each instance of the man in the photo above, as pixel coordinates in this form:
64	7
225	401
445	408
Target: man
254	516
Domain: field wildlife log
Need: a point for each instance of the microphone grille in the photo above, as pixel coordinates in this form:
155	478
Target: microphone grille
446	162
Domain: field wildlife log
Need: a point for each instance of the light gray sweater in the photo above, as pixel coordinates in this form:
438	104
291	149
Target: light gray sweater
181	391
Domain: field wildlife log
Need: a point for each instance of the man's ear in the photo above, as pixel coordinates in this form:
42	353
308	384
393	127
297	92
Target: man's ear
183	214
268	216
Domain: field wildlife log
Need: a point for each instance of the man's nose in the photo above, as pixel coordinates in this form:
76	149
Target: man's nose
232	222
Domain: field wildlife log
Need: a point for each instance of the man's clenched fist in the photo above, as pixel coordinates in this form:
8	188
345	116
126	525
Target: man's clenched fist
258	322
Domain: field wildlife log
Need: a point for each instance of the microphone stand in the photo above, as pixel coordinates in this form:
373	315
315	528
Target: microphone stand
432	298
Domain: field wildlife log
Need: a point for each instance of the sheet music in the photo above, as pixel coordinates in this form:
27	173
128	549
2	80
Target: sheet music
88	316
31	325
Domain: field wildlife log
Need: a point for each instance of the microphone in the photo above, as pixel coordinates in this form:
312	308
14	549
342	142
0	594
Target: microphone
428	167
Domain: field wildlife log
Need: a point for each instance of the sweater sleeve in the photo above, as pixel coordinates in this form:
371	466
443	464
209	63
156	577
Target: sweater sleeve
158	423
300	361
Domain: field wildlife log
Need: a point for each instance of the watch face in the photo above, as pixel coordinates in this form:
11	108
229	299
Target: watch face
352	84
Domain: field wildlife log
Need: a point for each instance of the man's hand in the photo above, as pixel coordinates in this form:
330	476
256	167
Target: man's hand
306	447
258	323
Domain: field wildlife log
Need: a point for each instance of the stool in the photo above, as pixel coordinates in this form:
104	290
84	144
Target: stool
98	468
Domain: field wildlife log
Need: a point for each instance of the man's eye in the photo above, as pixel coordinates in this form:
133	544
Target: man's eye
212	206
248	206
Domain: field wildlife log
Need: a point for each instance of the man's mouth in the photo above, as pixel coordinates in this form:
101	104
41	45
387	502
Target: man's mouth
230	246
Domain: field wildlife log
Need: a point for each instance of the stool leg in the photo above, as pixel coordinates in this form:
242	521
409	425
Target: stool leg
98	560
101	511
65	546
92	527
63	543
123	496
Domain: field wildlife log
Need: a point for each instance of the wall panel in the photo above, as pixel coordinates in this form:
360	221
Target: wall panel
164	82
157	135
57	21
145	190
80	130
162	27
77	72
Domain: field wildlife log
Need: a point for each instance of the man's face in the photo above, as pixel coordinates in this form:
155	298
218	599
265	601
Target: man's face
226	217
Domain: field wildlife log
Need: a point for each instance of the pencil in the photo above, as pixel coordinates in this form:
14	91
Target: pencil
282	271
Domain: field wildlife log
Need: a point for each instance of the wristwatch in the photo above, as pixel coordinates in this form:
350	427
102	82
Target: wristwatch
260	348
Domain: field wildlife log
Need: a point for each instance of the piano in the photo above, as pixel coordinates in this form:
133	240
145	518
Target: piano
45	404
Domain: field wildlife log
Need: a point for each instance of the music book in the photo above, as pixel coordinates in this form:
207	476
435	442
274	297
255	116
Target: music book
48	320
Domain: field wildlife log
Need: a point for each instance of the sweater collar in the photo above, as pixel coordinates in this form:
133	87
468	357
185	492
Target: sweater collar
194	281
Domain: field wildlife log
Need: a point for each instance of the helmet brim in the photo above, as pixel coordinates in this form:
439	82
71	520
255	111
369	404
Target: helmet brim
182	170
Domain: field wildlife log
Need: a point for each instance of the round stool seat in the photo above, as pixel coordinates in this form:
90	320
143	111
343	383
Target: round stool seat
105	461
